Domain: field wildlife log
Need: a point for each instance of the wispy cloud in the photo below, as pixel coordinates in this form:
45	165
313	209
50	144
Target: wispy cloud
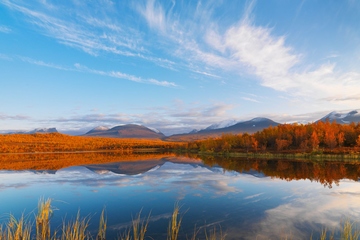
245	47
196	41
42	63
5	29
120	75
250	99
13	117
82	68
95	33
5	57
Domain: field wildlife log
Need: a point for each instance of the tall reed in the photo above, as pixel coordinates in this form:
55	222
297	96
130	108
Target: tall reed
349	231
138	229
174	223
16	229
43	217
76	229
102	227
212	235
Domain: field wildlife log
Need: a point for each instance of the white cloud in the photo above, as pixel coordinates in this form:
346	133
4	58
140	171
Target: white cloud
13	117
154	15
120	75
254	50
311	208
5	29
42	63
250	99
95	33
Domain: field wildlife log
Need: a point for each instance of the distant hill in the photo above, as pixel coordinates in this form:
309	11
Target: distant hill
251	126
342	118
126	131
42	130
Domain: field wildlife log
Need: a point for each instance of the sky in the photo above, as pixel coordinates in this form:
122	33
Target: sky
175	65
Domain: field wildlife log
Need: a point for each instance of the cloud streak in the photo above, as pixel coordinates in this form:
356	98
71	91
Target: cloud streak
5	29
244	47
120	75
14	117
95	33
81	68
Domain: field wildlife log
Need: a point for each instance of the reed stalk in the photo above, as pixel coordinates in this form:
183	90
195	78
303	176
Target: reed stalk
138	229
174	223
17	229
76	229
43	217
102	227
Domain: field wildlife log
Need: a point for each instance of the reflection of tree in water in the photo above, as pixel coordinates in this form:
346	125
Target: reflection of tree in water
327	172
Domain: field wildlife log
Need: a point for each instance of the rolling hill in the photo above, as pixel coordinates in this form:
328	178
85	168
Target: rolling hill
126	131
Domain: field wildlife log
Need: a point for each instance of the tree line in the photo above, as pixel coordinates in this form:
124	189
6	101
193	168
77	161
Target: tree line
324	136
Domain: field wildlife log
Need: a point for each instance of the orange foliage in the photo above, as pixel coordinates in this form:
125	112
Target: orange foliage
53	161
331	137
56	142
327	173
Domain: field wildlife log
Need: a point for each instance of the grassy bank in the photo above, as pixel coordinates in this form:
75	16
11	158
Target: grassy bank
305	155
39	228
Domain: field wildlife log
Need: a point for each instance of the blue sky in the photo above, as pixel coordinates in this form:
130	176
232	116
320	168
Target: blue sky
175	65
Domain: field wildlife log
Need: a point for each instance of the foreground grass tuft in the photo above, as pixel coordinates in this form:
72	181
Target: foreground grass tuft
77	229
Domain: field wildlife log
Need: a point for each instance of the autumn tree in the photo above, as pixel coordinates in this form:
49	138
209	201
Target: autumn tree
341	138
358	141
314	141
330	139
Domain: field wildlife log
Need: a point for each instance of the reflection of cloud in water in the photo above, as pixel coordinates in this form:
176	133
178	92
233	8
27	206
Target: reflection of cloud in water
177	177
128	225
253	196
312	208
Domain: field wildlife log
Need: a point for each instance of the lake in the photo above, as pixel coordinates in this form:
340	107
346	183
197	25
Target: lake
242	198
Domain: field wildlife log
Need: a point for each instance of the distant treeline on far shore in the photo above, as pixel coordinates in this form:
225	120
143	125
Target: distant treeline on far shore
320	136
285	138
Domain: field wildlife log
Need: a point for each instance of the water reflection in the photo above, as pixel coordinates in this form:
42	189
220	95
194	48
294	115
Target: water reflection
327	173
247	198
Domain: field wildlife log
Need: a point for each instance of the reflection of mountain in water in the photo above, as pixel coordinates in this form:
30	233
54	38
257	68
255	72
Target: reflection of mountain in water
127	168
140	167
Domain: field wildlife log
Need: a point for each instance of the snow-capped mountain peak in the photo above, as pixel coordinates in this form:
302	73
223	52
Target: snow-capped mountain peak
101	128
222	124
258	119
43	130
351	116
153	129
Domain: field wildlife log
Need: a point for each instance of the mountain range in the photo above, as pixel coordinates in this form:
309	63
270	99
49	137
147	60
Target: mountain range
36	130
342	118
251	126
214	130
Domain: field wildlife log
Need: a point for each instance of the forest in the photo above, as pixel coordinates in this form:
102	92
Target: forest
324	137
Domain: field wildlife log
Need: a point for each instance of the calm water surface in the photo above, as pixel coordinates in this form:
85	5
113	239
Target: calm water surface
246	201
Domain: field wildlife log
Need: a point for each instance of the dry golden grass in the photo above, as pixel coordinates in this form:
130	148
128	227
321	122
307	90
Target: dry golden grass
56	142
174	223
43	217
137	230
77	229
